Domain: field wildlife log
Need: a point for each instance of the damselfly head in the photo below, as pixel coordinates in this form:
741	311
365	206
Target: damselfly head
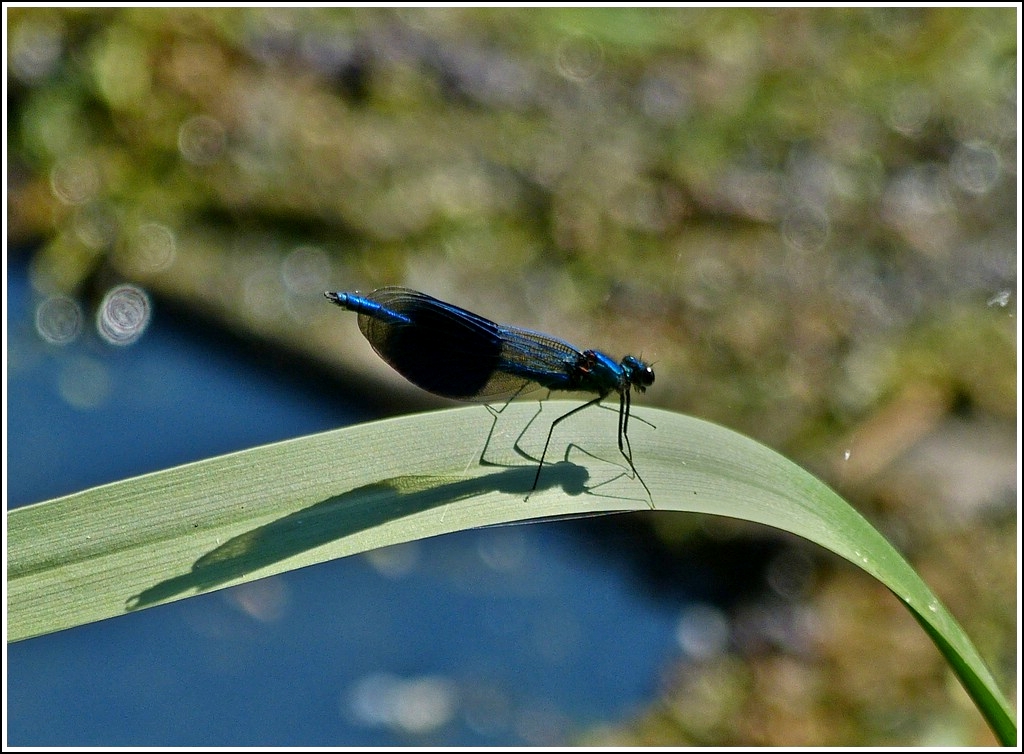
638	373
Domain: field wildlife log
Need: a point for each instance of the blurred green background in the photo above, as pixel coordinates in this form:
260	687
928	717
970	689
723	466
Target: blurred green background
805	218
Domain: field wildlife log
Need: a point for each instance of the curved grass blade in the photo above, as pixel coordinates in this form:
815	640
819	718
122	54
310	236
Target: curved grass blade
235	518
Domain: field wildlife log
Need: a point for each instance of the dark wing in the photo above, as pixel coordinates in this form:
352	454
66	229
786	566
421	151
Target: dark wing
540	358
455	353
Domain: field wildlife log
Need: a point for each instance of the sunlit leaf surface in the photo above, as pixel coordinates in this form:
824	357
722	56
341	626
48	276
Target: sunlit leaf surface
224	521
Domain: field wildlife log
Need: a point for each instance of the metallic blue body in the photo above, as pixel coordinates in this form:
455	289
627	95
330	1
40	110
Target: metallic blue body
455	353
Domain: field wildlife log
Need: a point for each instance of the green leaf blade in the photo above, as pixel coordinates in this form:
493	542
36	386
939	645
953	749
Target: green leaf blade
248	515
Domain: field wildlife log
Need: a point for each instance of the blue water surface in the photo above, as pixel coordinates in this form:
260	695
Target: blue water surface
506	636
